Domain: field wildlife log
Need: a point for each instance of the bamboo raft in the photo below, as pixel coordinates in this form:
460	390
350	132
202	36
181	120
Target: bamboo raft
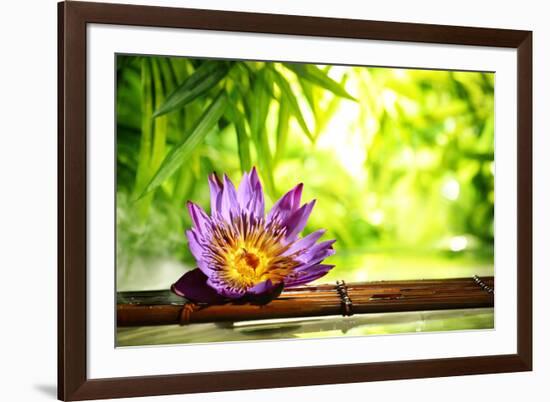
163	307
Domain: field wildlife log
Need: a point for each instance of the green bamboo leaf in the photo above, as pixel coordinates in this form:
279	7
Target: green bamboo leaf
244	147
181	153
260	99
200	82
184	186
181	67
160	124
168	75
307	90
288	96
235	116
170	80
142	173
326	115
282	130
316	76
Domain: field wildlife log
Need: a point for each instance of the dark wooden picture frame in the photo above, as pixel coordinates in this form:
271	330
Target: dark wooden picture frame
73	382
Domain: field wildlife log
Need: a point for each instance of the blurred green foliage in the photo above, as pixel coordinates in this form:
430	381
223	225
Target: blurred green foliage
399	160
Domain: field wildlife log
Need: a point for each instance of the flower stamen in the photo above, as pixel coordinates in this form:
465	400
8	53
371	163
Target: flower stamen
249	251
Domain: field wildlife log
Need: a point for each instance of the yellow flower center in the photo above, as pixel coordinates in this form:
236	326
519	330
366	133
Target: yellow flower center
247	253
248	266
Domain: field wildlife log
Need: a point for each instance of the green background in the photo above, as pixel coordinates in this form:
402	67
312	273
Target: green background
400	161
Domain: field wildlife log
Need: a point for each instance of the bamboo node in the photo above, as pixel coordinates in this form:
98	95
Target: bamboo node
483	285
186	311
345	300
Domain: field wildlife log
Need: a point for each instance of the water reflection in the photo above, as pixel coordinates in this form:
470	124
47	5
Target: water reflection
318	327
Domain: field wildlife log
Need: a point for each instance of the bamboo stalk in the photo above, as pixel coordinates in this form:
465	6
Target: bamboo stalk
156	308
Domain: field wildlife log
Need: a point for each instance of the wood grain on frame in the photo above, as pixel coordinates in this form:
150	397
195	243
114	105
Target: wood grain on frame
73	383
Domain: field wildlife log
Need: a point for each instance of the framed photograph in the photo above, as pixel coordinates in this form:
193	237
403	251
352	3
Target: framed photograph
255	200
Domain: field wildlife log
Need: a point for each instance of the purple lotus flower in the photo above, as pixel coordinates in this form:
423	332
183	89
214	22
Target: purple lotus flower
243	254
